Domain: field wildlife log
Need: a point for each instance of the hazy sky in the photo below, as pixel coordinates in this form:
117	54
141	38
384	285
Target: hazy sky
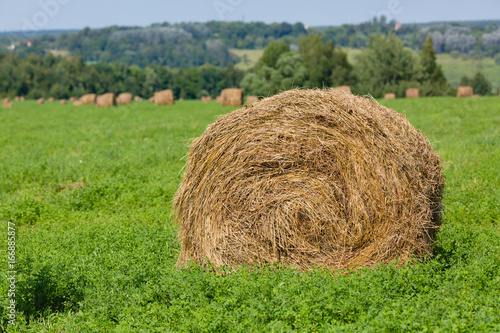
69	14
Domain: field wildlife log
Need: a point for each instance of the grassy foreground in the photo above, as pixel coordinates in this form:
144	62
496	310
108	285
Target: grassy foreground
101	257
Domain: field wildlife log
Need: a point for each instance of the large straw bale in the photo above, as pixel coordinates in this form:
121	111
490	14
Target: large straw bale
17	98
51	99
465	92
138	99
63	101
164	97
346	89
206	99
106	100
7	104
88	99
413	93
22	98
232	97
252	99
5	100
41	100
309	177
390	96
124	98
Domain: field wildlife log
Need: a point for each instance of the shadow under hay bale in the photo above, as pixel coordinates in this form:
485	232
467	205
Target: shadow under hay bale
164	97
89	99
232	97
464	92
309	177
106	100
124	99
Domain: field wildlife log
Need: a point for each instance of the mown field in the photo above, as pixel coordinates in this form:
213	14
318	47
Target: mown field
101	258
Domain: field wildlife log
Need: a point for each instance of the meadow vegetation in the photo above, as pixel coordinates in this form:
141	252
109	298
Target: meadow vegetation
101	257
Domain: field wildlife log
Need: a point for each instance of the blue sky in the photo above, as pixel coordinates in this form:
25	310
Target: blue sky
69	14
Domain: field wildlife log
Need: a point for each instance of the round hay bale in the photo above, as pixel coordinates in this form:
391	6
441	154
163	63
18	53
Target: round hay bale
390	96
41	100
7	104
124	98
206	99
63	102
413	93
77	103
138	99
72	99
88	99
5	100
346	89
164	97
218	99
51	99
106	100
22	98
465	92
151	99
17	99
232	97
309	177
252	99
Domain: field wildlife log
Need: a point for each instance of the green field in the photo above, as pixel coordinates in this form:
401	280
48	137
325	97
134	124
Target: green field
101	257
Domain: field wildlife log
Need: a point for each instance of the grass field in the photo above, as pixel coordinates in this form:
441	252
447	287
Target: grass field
101	257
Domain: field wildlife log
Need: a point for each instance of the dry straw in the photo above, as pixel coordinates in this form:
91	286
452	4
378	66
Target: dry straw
413	93
7	104
63	102
465	92
164	97
22	98
124	98
40	100
232	97
51	99
88	99
138	99
206	99
390	96
309	177
106	100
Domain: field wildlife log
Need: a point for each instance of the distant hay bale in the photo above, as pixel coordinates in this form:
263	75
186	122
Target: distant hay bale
88	99
309	177
390	96
124	98
252	99
72	99
218	99
51	99
232	97
40	100
106	100
465	92
206	99
346	89
5	100
77	103
413	93
181	99
164	97
476	95
63	102
138	99
7	104
17	99
151	99
22	98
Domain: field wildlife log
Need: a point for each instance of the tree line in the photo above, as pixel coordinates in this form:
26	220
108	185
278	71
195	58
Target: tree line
384	66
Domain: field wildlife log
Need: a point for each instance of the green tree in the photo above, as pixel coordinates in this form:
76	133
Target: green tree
272	53
481	85
385	64
431	70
